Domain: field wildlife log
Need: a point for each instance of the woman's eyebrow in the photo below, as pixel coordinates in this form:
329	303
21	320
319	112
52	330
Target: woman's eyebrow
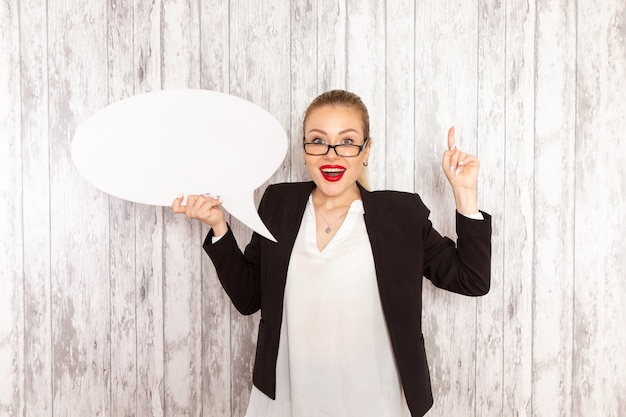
317	130
341	133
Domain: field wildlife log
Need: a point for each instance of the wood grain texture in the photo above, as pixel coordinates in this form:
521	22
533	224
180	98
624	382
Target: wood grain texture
122	227
399	150
80	290
304	78
331	30
518	213
553	274
112	308
490	149
150	394
599	286
36	211
12	320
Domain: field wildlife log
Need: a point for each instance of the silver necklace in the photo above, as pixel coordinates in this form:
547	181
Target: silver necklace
328	228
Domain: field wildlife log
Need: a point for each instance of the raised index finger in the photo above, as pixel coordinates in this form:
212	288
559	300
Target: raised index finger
451	138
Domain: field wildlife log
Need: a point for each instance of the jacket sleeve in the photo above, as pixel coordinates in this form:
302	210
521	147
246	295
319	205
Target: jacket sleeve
464	268
238	272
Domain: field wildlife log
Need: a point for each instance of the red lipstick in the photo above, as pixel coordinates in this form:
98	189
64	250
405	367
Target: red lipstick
332	173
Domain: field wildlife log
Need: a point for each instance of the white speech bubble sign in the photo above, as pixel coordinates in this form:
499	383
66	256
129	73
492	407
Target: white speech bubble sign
153	147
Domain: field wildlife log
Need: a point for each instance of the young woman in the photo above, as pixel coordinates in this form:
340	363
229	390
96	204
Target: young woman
340	294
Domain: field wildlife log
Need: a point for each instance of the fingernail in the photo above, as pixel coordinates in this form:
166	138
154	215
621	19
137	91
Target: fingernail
452	167
453	146
457	171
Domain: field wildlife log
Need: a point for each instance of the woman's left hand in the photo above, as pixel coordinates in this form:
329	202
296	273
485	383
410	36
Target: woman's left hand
461	170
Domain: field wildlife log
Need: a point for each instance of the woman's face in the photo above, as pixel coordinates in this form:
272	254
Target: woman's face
334	125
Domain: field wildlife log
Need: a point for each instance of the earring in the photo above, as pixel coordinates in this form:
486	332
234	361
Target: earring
365	164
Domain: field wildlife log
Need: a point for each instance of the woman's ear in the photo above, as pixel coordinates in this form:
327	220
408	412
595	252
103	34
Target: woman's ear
366	151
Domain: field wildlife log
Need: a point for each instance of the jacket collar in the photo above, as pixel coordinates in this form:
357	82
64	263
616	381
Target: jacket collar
375	229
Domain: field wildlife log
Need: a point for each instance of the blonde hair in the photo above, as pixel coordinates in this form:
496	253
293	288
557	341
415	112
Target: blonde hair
351	100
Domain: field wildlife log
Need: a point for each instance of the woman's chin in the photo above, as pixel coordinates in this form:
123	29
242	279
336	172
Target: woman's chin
336	188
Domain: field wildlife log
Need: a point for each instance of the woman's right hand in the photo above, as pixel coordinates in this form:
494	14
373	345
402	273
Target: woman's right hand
205	208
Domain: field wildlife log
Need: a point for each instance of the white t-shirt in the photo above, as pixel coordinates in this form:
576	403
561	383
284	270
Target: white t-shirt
335	356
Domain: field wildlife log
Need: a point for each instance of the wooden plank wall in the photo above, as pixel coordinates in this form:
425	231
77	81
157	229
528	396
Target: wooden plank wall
109	308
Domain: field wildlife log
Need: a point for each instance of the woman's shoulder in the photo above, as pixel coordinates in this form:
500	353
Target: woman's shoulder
395	201
289	189
287	193
290	186
394	196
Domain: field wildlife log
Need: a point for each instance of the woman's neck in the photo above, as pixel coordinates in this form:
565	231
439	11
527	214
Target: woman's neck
332	202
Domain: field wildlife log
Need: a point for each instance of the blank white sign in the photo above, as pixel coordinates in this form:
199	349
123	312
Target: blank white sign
153	147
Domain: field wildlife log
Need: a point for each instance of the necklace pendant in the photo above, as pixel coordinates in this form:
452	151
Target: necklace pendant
328	229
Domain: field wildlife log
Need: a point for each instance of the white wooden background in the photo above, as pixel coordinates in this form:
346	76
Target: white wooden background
109	308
